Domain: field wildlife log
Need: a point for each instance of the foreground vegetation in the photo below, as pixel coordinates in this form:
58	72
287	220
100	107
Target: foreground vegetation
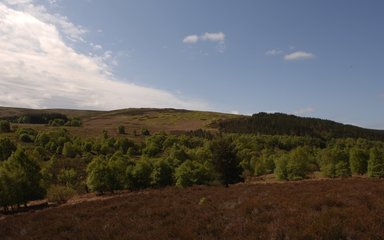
51	161
329	209
60	156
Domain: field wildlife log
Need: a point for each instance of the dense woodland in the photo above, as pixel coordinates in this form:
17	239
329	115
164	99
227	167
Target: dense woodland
52	163
283	124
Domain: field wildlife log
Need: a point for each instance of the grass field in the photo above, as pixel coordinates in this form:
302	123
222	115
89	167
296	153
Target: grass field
325	209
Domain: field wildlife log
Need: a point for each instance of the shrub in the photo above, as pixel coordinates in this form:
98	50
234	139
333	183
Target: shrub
6	148
59	194
145	132
69	150
5	126
67	177
26	138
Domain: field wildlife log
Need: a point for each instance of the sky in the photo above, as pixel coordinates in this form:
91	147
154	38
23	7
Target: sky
310	58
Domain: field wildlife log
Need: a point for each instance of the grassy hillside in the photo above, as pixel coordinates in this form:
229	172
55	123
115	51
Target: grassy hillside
155	120
330	209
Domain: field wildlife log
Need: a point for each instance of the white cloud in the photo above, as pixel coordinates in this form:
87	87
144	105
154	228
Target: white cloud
213	37
304	111
218	37
299	55
39	70
273	52
191	39
70	31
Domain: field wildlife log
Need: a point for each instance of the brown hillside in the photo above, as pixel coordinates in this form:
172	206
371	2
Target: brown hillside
134	119
328	209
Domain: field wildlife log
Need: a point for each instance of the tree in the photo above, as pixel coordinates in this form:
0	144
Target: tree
107	175
5	126
192	173
67	177
69	150
121	129
225	161
139	175
376	163
281	167
358	159
297	166
21	179
162	174
7	147
334	163
99	175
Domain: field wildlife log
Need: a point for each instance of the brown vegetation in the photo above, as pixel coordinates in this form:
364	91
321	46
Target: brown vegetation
325	209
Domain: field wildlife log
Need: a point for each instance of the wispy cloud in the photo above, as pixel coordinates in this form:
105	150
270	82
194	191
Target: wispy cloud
39	69
304	111
217	37
191	39
299	55
213	37
273	52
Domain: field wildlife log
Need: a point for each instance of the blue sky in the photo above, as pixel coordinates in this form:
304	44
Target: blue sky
309	58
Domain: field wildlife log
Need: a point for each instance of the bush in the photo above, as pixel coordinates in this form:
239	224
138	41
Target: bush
6	148
5	126
69	150
60	194
26	138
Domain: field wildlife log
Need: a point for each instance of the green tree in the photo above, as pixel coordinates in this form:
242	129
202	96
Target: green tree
121	129
69	150
334	162
225	161
22	179
162	174
297	166
192	173
139	175
5	126
281	167
7	147
376	163
67	177
358	159
99	175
